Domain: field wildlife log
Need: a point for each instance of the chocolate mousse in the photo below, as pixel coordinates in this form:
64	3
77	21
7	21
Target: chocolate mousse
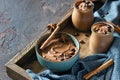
85	5
103	28
61	48
101	37
82	16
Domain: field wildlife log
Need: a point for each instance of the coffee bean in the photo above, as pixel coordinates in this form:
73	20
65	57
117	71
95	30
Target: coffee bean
88	5
76	34
54	56
62	55
83	0
109	28
70	56
73	50
82	42
72	53
87	35
62	59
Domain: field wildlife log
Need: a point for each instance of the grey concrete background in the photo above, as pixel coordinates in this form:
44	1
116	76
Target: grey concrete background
21	21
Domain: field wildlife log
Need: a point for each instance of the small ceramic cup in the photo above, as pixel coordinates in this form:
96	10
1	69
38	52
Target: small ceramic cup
99	42
57	66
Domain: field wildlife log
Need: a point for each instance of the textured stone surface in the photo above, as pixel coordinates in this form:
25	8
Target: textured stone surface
21	21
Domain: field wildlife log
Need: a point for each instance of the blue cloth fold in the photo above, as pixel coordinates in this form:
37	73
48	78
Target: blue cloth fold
89	63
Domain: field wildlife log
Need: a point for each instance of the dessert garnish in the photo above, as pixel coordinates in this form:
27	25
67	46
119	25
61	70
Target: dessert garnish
60	48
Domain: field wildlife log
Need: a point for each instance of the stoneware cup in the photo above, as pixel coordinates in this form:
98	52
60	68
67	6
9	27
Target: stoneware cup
57	66
100	43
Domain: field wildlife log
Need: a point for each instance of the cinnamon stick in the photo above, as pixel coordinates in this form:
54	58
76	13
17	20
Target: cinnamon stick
50	37
99	69
117	28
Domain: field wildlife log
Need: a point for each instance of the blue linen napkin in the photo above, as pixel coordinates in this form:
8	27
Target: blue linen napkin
111	12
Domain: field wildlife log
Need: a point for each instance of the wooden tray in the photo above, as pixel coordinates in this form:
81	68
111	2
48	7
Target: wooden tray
26	59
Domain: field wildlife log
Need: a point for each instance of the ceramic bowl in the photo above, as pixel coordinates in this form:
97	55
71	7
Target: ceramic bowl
57	66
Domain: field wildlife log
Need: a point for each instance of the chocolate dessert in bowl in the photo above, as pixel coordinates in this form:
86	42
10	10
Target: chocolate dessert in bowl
101	37
82	16
60	53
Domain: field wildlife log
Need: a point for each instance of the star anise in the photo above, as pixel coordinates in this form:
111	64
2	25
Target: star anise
51	27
